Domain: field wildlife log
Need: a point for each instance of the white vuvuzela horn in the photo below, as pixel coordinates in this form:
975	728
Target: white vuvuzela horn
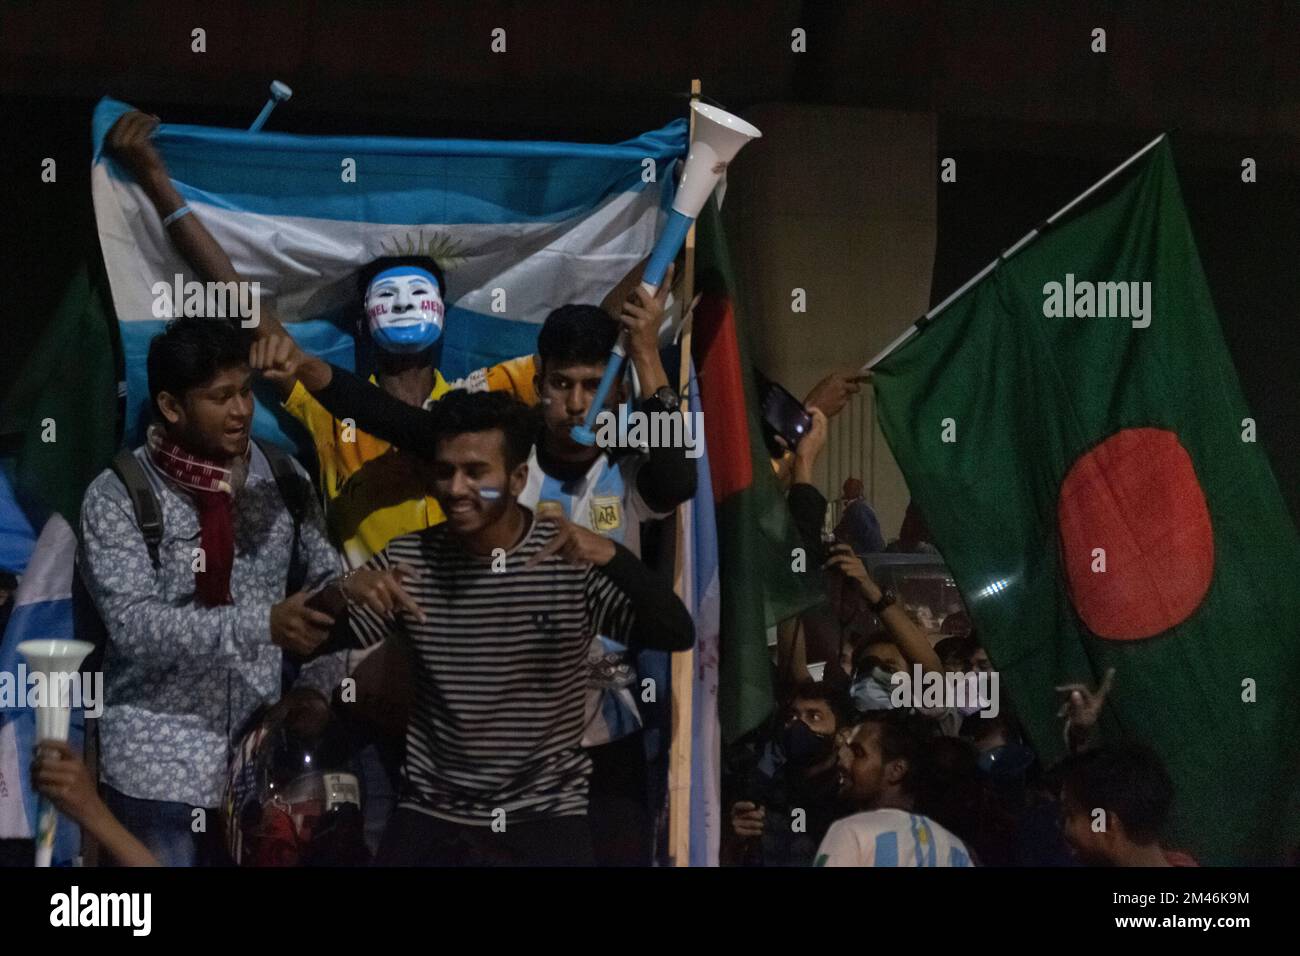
718	138
59	662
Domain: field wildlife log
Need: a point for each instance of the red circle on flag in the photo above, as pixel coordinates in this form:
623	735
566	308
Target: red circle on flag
1136	497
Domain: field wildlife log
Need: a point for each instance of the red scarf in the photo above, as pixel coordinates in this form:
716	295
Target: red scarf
209	483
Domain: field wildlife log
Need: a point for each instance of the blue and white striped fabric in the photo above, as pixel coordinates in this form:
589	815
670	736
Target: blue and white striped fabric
42	609
519	227
891	838
17	539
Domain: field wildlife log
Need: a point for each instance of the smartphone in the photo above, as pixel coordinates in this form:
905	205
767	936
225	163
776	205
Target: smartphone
330	599
785	414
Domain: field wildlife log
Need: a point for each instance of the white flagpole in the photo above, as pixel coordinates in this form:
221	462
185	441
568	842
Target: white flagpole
1007	254
681	742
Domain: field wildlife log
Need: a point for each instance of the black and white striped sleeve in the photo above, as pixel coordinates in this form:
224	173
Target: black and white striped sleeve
369	628
631	604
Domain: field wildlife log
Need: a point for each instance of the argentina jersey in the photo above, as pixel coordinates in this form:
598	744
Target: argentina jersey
606	501
891	838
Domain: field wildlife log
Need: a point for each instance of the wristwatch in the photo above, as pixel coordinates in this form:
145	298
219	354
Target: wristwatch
887	599
668	396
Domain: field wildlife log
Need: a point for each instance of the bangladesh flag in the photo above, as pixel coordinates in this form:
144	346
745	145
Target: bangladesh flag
756	534
1073	431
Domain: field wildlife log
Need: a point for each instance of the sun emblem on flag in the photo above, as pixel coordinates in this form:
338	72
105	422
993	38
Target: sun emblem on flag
440	247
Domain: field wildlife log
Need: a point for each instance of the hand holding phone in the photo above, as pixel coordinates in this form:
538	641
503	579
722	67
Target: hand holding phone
785	414
329	600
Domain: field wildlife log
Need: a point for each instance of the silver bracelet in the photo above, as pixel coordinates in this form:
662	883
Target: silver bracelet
178	214
343	579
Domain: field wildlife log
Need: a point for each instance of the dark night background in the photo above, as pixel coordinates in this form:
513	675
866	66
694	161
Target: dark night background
1031	115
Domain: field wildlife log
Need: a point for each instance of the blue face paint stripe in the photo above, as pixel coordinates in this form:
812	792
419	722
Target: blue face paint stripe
401	272
406	338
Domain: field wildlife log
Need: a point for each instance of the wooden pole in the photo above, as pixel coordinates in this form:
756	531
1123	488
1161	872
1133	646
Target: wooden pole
683	662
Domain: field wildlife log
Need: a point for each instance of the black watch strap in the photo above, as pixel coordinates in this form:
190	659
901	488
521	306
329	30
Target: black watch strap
887	599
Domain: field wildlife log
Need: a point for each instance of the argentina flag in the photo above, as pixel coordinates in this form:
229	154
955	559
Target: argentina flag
520	228
42	610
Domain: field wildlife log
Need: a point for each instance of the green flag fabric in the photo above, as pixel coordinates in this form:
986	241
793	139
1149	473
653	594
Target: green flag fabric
64	403
1073	431
756	532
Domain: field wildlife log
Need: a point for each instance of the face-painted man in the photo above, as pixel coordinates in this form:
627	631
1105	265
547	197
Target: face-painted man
405	313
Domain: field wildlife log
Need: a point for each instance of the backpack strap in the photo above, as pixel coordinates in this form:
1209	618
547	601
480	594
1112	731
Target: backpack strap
144	502
148	510
293	488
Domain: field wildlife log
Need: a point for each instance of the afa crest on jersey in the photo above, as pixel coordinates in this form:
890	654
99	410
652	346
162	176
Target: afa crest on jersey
606	514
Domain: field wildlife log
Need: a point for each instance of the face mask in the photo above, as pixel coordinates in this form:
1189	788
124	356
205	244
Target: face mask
404	310
803	746
872	692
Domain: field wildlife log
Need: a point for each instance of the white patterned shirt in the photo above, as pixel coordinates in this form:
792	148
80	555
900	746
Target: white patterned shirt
180	678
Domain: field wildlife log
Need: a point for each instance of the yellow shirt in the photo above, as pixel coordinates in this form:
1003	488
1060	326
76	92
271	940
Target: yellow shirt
373	493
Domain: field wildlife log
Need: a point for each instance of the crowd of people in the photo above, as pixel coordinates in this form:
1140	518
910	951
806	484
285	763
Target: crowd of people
444	649
846	774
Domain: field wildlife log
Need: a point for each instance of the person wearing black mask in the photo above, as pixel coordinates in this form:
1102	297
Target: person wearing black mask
788	797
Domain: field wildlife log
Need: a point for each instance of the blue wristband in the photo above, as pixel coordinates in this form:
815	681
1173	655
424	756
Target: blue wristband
172	217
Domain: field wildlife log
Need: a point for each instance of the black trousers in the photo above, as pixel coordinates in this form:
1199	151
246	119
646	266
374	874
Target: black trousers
417	839
619	804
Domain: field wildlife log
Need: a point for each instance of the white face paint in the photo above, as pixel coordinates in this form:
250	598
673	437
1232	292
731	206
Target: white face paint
404	309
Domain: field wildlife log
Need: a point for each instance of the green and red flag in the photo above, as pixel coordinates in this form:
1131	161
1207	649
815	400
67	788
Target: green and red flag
1074	433
756	534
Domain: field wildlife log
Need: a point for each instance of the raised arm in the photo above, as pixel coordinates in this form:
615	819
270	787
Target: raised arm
911	640
345	396
130	142
60	775
667	478
807	504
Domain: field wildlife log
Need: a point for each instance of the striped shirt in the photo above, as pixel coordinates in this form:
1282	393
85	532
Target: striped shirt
500	674
890	838
604	499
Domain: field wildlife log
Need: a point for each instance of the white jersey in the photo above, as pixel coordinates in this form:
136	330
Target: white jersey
604	500
890	838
